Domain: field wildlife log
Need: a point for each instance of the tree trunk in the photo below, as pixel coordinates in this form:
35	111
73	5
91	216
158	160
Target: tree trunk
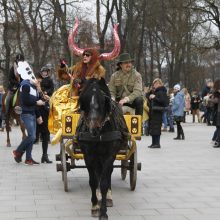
6	45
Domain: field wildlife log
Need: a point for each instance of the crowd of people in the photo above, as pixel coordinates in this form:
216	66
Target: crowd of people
161	108
204	106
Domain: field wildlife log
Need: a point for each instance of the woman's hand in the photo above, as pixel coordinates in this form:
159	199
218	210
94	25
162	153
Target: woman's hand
152	96
40	102
46	97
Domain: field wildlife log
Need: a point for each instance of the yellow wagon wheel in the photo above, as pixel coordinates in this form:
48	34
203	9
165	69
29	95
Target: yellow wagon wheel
133	166
124	169
64	166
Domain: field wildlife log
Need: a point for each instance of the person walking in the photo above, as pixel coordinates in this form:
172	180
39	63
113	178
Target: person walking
178	111
29	99
158	100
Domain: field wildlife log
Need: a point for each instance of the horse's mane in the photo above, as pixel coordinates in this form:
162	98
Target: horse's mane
101	87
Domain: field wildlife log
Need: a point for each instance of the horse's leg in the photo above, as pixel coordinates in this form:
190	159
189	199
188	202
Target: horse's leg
104	186
93	182
109	200
7	128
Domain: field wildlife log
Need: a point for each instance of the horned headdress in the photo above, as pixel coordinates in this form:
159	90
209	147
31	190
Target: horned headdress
104	56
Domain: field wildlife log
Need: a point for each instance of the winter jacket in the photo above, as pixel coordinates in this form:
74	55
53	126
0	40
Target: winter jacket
28	97
123	85
47	85
155	116
215	100
178	104
195	102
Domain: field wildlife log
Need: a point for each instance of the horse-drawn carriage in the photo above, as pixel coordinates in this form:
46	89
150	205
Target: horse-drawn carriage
63	124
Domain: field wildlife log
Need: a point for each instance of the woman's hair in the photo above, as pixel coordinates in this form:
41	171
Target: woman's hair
158	80
170	90
185	91
89	68
217	84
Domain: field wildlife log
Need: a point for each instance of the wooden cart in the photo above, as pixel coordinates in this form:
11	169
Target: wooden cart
70	151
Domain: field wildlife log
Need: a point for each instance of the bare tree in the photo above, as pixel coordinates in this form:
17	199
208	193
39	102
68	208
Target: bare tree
38	27
6	60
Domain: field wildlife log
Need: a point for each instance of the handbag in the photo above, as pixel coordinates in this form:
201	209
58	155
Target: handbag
160	108
178	118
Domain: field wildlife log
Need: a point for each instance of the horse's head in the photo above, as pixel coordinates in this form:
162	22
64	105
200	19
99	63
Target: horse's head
95	105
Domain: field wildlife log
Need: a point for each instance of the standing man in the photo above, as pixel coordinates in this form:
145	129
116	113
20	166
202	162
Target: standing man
126	84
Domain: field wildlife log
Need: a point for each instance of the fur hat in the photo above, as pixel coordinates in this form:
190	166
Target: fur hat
177	87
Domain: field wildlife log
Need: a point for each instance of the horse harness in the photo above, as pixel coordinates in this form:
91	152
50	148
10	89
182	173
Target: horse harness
102	137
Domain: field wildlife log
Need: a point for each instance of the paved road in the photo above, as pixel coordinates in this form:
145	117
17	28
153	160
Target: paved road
180	181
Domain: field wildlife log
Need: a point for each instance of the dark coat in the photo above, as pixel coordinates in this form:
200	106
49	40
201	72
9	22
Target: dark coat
195	102
47	85
155	116
205	91
216	110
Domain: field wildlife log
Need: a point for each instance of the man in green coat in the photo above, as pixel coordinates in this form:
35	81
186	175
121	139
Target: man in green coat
126	84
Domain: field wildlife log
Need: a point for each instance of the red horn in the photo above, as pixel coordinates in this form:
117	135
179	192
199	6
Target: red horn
116	50
73	47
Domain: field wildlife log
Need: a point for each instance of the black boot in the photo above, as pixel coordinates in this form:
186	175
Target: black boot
45	159
178	135
183	136
171	130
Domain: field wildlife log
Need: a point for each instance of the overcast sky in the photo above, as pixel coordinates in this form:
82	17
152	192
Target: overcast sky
89	8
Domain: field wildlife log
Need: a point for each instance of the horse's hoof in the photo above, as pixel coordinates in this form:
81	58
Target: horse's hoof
103	217
8	145
109	203
95	213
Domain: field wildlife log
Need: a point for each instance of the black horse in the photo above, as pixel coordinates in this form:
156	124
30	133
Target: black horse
101	133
